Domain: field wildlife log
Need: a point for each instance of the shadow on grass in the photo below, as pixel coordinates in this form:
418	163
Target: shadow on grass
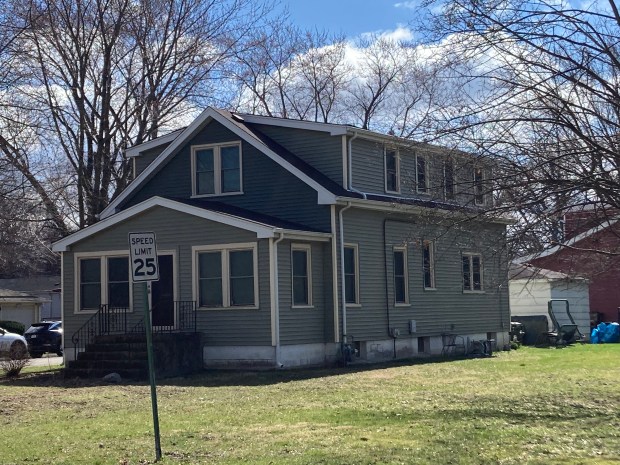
222	378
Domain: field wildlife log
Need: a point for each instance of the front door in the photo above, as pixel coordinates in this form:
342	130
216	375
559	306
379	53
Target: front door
162	294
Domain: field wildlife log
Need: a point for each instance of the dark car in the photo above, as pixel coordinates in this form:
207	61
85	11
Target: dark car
44	337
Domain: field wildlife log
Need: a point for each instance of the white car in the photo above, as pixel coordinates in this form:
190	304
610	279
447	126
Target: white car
12	345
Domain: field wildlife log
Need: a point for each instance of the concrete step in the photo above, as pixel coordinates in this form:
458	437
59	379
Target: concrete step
138	374
109	365
113	355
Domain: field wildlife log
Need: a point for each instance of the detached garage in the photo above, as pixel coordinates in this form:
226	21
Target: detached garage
531	289
19	306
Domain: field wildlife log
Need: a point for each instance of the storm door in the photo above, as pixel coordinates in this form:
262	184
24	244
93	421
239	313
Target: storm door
162	294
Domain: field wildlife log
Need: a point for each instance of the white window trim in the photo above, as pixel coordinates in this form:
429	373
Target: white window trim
471	274
225	249
483	179
356	264
217	168
431	249
308	249
103	263
402	249
454	183
385	173
426	190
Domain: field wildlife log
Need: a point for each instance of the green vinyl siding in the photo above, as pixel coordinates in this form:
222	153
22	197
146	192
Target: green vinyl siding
319	149
305	324
146	158
434	310
267	187
178	232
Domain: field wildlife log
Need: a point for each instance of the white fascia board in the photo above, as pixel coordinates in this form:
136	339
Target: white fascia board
571	242
261	230
139	149
325	197
294	234
332	129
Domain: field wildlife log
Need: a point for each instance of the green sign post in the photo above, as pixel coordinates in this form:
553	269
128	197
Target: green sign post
144	268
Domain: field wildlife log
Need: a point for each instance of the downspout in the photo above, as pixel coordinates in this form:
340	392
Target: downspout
342	277
276	292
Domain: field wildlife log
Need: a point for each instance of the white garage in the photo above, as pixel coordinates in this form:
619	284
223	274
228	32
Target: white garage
19	306
531	289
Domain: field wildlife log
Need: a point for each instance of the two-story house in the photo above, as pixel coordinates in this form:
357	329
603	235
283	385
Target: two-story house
287	238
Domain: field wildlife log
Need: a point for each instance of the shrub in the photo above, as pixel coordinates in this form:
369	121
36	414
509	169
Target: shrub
514	345
13	366
13	327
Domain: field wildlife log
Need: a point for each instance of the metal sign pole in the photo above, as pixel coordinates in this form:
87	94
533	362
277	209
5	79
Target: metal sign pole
145	268
149	351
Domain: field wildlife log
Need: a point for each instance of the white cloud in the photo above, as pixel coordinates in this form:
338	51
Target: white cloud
400	34
409	5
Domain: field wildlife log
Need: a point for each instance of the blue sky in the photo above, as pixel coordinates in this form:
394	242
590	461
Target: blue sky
352	17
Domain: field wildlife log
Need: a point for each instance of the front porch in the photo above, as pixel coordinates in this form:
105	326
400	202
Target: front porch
112	340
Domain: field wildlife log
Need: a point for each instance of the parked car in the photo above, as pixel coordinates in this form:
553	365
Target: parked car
12	345
44	337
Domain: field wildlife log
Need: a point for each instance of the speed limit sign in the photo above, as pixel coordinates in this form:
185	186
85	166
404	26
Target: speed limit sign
143	255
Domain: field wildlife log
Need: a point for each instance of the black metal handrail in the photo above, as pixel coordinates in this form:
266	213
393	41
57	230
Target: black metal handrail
186	312
107	320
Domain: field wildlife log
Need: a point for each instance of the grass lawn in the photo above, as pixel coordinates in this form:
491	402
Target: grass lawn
531	406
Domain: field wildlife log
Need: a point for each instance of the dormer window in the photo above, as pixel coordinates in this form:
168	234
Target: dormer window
392	171
216	169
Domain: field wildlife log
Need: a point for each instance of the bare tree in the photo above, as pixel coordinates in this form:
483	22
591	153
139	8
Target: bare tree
98	76
542	97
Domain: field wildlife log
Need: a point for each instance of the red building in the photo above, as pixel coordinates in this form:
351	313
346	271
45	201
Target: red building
591	249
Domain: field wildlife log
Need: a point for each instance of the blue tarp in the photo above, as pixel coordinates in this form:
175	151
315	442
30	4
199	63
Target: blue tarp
605	332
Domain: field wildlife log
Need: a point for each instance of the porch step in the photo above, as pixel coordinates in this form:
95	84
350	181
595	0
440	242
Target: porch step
175	354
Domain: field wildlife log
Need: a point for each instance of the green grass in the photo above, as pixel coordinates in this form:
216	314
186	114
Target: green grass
531	406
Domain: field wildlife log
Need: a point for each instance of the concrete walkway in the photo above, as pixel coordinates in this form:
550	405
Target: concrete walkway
51	360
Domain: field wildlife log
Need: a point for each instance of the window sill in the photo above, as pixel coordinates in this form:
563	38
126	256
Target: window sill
432	289
392	192
303	307
228	308
402	304
85	312
474	292
353	305
223	194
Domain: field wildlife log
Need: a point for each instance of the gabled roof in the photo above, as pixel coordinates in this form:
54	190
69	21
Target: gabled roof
569	243
262	225
521	271
226	120
9	295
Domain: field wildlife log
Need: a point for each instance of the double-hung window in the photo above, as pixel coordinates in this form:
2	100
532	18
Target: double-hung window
401	291
428	264
216	169
479	186
103	280
421	170
449	188
226	276
302	276
392	171
472	272
351	274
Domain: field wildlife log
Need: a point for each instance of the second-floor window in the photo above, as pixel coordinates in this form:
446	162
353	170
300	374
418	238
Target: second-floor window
479	186
421	174
392	171
216	169
448	180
